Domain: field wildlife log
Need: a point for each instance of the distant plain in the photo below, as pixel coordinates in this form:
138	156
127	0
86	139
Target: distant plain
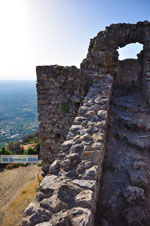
18	110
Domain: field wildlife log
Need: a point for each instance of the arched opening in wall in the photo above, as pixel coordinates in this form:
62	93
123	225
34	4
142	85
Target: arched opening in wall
130	51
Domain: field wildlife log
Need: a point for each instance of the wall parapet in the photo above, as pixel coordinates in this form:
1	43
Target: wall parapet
68	195
60	92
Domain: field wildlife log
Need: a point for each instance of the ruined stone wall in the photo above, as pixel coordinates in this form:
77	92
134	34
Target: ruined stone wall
129	72
146	67
102	55
60	92
62	89
68	196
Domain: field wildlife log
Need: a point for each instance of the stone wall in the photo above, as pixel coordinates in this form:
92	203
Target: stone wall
102	55
146	67
60	92
62	89
68	196
129	72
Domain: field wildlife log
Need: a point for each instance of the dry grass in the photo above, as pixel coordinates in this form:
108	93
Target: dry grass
27	146
14	209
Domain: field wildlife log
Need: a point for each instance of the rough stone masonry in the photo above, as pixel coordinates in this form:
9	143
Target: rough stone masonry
76	123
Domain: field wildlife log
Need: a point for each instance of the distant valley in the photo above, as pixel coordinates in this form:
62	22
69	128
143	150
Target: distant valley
18	110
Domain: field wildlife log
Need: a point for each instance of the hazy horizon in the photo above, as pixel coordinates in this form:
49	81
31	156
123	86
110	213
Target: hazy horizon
18	110
5	80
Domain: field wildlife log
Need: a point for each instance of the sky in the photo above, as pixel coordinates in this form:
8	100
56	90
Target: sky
46	32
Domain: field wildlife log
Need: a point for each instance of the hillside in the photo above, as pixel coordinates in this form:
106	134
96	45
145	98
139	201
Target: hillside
18	110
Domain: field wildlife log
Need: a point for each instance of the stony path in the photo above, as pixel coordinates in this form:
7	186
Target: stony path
124	198
12	181
68	195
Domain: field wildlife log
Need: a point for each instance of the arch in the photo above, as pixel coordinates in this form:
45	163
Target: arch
103	55
130	51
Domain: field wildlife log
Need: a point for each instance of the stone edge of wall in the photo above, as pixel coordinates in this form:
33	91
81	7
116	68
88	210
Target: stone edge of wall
57	87
69	194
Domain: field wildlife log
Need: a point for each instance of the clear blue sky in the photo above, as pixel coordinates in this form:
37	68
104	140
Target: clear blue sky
45	32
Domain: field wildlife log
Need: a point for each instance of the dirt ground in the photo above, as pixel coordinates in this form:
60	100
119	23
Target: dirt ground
27	146
18	188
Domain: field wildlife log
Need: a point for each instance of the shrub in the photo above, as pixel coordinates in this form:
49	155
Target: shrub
37	147
29	151
32	139
64	107
33	151
13	165
7	152
25	152
39	179
9	166
4	151
39	164
16	165
14	142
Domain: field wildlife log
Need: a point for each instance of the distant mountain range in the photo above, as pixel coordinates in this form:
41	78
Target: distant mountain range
18	110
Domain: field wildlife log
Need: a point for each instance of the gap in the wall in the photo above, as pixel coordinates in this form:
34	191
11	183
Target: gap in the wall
130	51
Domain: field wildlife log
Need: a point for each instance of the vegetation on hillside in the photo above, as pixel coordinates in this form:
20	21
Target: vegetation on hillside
31	146
4	151
33	151
18	111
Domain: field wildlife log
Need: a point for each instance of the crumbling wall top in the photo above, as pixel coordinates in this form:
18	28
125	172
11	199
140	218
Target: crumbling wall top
102	53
